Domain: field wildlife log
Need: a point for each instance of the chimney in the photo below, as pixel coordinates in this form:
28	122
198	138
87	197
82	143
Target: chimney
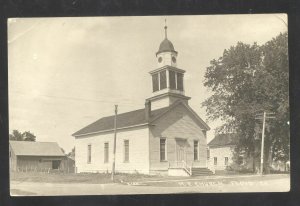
147	109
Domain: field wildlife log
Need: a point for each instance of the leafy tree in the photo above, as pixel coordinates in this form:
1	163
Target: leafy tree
16	135
72	153
25	136
28	136
247	80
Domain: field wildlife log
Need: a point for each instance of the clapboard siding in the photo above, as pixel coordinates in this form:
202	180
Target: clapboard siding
138	151
178	123
12	159
220	153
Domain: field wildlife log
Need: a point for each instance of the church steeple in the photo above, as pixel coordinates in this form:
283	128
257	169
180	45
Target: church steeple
167	79
166	36
166	54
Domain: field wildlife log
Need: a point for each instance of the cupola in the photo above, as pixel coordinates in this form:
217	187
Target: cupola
167	79
166	54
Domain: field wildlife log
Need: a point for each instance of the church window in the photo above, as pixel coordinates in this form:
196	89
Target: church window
172	80
196	152
208	153
89	158
163	79
163	149
106	152
155	82
126	150
180	81
160	59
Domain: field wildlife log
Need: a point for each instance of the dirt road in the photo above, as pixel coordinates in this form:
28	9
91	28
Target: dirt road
282	184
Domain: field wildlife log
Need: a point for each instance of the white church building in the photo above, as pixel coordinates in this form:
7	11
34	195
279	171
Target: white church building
165	137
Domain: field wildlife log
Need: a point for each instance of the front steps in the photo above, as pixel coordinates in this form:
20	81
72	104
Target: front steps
201	171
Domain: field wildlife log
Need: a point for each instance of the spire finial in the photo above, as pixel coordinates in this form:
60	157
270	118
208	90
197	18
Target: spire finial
166	28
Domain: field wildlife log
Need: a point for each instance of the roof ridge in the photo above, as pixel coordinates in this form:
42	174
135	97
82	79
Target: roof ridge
30	141
223	139
135	111
122	113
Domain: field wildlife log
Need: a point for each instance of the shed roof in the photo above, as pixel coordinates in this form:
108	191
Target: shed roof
28	148
223	140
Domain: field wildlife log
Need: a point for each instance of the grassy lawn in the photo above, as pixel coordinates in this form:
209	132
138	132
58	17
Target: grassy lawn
94	178
100	178
221	180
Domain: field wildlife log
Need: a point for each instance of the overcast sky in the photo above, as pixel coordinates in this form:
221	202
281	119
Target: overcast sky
65	73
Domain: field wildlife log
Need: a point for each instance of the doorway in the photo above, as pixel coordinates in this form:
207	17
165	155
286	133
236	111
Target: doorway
181	150
55	164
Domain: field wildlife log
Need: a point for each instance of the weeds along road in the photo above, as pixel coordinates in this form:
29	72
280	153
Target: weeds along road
282	184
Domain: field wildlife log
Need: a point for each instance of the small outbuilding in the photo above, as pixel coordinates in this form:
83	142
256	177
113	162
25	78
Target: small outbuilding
68	164
221	150
35	156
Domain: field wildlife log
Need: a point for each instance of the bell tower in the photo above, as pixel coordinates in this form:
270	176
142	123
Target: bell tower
167	79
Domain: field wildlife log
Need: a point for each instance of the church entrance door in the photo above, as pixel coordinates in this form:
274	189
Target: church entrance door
181	150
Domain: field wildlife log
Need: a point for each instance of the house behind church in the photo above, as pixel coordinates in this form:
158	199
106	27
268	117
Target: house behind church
221	151
165	137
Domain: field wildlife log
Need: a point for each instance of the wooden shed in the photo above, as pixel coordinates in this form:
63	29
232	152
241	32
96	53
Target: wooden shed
34	156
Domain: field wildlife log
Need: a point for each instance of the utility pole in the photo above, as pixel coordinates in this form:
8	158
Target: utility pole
263	118
115	138
262	145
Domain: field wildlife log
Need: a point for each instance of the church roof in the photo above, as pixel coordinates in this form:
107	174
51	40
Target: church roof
127	119
28	148
166	46
223	140
131	119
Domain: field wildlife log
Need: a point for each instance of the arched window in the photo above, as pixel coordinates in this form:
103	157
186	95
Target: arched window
155	82
180	81
172	80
